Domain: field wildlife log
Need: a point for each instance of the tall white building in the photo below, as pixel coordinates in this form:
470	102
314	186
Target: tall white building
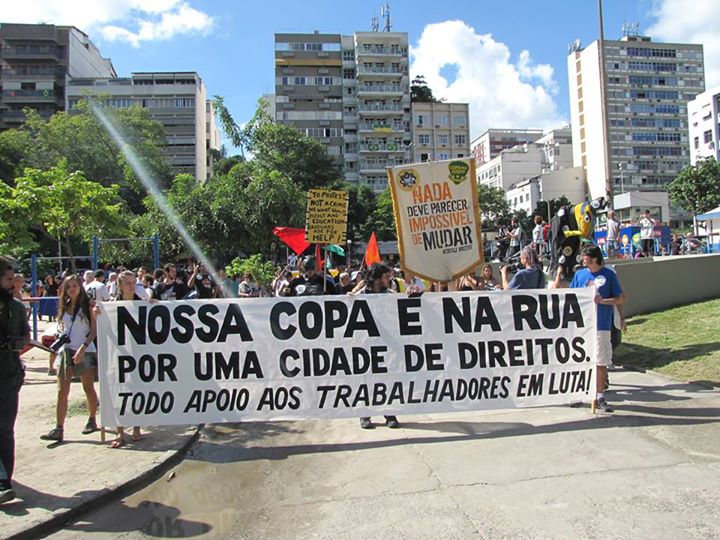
704	125
440	131
648	88
176	100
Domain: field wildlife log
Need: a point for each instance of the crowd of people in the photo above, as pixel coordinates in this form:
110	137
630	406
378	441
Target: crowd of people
80	300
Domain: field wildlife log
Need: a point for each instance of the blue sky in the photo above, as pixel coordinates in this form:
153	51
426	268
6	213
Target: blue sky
509	57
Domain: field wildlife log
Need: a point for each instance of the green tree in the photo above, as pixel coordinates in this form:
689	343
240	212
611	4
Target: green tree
262	271
362	202
420	92
14	146
697	189
494	206
555	204
382	219
60	205
85	145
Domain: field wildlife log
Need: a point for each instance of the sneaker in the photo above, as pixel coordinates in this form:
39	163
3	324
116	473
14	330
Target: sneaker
55	434
7	494
392	422
603	406
366	423
90	427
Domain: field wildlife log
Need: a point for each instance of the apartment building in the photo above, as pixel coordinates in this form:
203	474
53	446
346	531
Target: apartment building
648	86
704	125
440	131
549	152
176	100
36	63
351	93
488	145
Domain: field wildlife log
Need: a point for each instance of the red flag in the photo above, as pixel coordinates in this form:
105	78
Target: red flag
318	258
372	253
294	238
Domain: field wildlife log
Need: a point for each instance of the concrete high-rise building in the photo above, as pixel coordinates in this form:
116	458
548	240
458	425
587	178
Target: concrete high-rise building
36	63
351	93
648	88
488	145
176	100
440	131
704	125
549	152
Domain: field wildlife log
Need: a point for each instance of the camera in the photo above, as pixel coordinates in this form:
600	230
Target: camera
60	340
514	266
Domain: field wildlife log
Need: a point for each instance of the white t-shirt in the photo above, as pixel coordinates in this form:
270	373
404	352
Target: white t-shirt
98	291
646	228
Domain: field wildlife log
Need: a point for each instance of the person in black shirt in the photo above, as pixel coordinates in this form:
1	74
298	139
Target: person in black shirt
170	288
378	281
14	335
310	282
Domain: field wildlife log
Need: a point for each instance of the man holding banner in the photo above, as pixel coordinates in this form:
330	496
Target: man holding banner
608	293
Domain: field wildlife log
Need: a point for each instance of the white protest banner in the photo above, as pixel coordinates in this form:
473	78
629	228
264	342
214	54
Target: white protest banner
437	218
326	357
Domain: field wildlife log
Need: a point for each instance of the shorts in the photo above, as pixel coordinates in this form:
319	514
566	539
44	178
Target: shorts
603	348
66	366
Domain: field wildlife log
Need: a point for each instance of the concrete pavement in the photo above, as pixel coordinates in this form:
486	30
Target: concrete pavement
651	470
56	483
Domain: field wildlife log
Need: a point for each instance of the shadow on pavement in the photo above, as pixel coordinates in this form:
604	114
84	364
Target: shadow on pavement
153	519
650	357
233	449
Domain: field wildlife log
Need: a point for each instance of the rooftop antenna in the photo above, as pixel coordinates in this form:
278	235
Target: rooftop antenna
385	12
574	46
631	29
375	24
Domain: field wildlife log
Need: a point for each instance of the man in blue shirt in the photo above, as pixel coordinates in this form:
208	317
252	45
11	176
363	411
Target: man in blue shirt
608	294
530	276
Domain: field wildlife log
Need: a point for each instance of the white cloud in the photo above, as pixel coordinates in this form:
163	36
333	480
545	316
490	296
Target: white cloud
133	21
501	93
696	22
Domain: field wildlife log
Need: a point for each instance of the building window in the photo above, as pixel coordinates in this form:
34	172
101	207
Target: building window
424	139
696	142
441	120
443	139
424	157
458	120
349	55
421	120
443	155
460	139
707	136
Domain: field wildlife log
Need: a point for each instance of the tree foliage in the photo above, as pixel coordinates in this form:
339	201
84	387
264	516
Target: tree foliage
382	219
262	271
697	189
555	204
420	92
494	207
58	204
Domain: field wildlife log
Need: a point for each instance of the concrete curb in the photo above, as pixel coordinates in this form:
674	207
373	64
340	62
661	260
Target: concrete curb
65	517
702	384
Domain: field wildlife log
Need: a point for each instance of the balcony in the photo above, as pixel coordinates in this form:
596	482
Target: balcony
364	70
381	127
32	96
380	89
34	52
380	108
381	147
379	50
378	165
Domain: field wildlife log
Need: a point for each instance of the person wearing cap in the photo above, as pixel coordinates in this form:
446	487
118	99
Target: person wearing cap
608	295
14	336
310	282
378	281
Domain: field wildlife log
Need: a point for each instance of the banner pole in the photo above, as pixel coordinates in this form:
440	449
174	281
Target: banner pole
325	271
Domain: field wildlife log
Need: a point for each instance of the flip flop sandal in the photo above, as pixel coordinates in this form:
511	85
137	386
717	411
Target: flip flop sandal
118	443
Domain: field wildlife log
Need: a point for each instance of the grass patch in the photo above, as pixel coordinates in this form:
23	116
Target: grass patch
682	343
77	407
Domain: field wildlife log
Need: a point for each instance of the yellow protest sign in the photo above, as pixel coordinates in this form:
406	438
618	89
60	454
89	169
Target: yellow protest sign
437	218
326	219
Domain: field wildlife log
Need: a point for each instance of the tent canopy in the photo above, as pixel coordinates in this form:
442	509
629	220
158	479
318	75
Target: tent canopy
712	214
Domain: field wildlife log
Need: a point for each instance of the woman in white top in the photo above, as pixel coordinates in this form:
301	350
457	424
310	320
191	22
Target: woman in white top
78	358
126	291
